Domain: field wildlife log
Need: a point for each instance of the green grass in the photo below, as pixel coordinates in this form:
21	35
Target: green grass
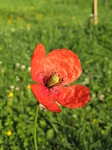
56	24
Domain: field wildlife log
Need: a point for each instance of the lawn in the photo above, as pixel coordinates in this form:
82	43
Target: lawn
56	24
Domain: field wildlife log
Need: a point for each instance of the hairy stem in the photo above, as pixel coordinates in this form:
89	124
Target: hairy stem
35	127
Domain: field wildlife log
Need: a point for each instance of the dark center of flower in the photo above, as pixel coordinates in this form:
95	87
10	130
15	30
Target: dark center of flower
52	81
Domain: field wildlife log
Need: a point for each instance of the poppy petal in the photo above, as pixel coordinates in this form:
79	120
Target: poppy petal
64	62
44	97
75	96
37	62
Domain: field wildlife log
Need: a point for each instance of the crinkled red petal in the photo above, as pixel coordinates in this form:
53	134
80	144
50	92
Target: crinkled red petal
44	97
64	62
72	96
37	62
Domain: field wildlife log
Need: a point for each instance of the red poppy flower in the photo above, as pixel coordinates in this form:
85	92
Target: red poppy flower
53	74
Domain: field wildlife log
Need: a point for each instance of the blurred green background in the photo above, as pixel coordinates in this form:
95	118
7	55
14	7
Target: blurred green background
56	24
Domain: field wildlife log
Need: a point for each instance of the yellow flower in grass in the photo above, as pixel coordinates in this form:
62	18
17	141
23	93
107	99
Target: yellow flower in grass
11	17
60	17
9	133
9	21
28	86
32	7
19	18
22	93
0	48
63	139
94	121
26	16
73	18
28	26
55	17
22	19
11	95
64	24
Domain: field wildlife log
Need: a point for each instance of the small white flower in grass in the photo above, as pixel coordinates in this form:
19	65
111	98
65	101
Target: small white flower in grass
74	116
41	107
29	69
91	15
10	46
93	96
23	67
17	78
101	97
106	58
17	65
27	56
109	72
2	70
13	29
12	87
6	34
86	70
86	81
17	88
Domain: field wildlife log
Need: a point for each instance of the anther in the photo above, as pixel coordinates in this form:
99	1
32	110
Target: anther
53	81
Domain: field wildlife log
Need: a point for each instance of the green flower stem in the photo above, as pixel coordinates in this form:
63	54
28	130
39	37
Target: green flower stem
35	126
